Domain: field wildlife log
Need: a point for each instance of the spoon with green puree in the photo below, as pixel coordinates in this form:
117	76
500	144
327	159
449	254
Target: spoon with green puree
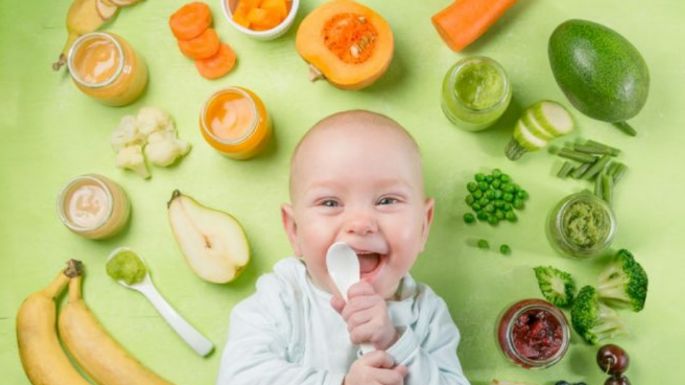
129	270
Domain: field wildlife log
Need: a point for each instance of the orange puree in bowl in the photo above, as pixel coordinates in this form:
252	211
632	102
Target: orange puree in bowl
104	66
234	121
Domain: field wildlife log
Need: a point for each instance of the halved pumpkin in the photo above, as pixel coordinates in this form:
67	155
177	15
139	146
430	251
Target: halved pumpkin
347	43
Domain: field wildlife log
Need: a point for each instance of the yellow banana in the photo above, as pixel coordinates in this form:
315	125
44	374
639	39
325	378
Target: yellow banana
41	355
100	356
83	17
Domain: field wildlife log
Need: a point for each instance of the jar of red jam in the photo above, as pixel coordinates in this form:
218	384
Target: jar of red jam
533	333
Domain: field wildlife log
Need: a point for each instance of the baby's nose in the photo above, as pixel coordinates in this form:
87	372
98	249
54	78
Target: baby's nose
361	223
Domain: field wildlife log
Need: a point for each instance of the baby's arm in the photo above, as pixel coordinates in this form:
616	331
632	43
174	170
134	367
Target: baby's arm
257	347
431	359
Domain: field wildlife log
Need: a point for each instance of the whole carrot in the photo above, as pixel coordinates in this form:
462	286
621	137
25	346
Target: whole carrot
464	21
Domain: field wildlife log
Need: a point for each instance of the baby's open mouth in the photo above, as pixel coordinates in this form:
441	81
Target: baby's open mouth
368	262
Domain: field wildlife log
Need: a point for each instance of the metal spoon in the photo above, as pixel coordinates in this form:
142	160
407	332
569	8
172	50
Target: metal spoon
186	331
343	267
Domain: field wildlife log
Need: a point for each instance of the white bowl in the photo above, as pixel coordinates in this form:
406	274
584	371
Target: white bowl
229	5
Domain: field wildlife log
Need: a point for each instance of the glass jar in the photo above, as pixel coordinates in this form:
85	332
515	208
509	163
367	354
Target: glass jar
533	333
93	206
234	122
581	225
105	67
475	93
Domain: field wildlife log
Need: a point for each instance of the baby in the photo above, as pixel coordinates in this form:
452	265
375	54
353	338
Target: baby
355	177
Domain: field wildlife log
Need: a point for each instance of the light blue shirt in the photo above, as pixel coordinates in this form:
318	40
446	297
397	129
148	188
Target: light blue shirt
288	333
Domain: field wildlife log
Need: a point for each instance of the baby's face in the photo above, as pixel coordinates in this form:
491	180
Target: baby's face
362	186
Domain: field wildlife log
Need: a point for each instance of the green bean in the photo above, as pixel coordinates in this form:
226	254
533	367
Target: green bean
607	188
596	167
593	150
566	169
598	145
618	173
598	185
580	170
577	156
611	168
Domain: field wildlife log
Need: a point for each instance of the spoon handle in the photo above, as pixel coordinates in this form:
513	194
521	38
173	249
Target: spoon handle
188	333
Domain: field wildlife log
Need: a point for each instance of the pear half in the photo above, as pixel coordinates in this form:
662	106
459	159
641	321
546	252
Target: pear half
213	242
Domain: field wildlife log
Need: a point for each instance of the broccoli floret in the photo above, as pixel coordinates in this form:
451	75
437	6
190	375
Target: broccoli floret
623	282
592	319
557	286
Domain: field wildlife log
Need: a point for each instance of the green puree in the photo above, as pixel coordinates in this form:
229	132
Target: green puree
585	224
127	267
479	85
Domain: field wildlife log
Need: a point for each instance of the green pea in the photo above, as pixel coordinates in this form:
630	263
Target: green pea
516	187
496	173
477	194
488	178
504	178
522	194
508	187
496	183
480	177
506	207
508	197
476	206
483	244
499	214
498	194
510	216
469	218
472	186
518	204
483	186
490	208
483	201
469	200
505	249
482	216
490	194
493	220
499	203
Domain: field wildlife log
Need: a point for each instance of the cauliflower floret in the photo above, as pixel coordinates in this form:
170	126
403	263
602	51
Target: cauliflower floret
151	119
126	133
164	150
131	157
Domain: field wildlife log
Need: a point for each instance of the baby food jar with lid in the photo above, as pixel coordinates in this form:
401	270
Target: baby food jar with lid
533	333
475	93
93	206
581	225
105	67
234	122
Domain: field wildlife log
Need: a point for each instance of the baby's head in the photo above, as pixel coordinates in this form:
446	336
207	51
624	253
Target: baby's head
356	177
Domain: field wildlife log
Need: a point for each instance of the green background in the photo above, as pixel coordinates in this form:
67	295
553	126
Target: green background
51	133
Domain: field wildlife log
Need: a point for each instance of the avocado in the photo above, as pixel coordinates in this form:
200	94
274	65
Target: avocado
602	74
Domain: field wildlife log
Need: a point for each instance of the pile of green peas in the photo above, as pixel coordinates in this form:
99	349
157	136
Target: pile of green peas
494	198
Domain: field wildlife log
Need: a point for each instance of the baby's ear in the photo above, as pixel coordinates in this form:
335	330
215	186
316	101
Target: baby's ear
429	210
290	227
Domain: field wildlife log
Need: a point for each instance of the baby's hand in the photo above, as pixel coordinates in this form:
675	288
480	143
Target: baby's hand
366	315
375	368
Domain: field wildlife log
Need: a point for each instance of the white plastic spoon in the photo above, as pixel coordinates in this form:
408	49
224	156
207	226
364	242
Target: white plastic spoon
186	331
343	266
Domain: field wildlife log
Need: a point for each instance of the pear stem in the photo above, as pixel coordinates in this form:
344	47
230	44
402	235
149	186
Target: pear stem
174	195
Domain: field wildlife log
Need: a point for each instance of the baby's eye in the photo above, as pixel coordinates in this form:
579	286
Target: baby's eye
387	201
329	203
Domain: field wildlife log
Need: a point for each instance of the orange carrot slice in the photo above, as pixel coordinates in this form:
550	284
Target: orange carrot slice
190	21
464	21
201	47
218	65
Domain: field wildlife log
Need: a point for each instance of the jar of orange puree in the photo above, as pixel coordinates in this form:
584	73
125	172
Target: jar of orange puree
234	122
105	67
